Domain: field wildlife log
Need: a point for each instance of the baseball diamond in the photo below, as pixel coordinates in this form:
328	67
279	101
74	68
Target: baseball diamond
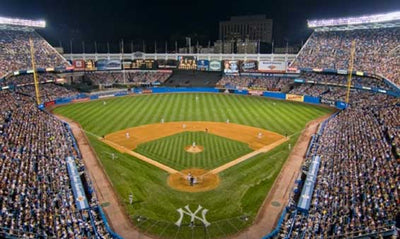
245	144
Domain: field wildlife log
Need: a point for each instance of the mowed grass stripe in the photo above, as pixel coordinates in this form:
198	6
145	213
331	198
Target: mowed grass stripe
242	118
265	108
126	112
229	106
256	114
219	113
124	117
296	115
122	114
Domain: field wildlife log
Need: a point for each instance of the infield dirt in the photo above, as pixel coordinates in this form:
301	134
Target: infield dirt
194	149
204	181
256	138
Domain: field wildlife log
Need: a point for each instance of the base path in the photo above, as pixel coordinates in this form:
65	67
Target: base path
247	156
122	149
209	180
104	189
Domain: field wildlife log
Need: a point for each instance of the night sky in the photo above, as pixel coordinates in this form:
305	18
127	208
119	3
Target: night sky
169	20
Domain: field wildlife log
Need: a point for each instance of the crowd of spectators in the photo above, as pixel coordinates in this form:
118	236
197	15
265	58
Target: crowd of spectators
284	83
342	80
375	51
36	199
309	89
15	51
48	89
27	79
357	191
128	77
48	92
235	82
390	66
254	82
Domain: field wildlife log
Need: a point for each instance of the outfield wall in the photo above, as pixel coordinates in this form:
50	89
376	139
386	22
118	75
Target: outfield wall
162	90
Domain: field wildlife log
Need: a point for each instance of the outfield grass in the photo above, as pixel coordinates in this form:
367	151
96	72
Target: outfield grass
121	113
243	187
171	150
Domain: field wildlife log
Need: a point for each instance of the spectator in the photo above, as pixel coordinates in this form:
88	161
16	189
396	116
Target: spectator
36	199
15	51
357	191
376	51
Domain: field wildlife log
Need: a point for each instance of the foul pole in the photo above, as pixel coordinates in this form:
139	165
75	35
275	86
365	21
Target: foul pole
34	72
351	65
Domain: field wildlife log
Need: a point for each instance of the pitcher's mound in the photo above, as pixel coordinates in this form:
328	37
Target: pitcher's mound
202	181
194	149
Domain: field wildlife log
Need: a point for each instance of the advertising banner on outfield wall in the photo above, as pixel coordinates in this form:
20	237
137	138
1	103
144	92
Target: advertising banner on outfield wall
81	100
271	66
103	65
231	67
249	65
215	66
292	97
49	103
203	65
328	102
256	92
147	91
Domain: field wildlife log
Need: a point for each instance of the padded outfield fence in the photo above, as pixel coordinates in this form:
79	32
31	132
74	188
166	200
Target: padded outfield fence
165	90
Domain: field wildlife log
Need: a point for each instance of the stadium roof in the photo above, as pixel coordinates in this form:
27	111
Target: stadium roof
22	22
385	20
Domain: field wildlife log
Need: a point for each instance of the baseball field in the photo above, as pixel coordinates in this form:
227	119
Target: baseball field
235	146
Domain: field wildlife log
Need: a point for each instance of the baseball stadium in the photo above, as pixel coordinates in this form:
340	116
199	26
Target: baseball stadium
150	145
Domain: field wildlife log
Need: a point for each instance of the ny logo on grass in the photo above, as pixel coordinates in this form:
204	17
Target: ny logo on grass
192	215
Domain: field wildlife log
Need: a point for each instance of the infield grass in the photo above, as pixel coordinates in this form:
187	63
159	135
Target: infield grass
243	187
171	150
